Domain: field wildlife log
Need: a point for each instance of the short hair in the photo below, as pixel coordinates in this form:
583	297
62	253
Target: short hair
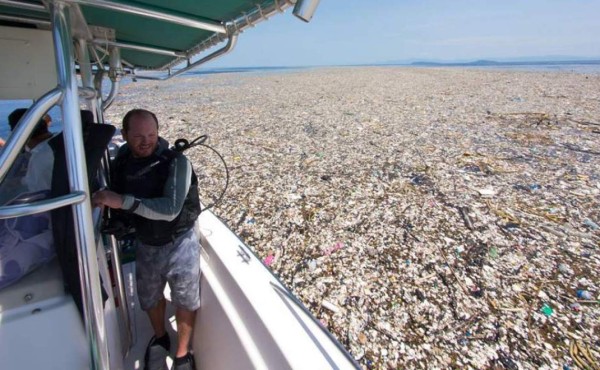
15	116
137	112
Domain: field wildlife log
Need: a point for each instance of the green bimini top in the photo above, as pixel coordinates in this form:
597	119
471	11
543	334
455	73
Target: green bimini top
151	34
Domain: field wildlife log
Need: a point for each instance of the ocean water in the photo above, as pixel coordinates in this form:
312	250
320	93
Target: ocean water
7	106
561	68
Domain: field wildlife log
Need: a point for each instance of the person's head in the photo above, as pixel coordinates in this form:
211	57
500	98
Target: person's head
140	130
40	129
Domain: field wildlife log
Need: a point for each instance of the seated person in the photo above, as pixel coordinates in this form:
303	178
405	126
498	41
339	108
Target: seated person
26	242
22	176
39	172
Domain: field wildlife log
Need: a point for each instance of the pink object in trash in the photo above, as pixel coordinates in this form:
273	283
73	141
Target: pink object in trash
269	260
337	246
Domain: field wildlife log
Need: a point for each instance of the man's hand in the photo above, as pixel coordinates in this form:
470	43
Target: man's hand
107	198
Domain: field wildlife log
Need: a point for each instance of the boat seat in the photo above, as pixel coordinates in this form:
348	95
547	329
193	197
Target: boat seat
43	283
96	139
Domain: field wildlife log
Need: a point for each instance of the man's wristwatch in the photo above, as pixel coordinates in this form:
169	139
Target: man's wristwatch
136	204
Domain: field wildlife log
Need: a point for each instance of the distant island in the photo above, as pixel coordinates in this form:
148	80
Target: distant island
484	63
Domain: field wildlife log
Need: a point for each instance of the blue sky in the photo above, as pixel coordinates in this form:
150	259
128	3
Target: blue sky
375	31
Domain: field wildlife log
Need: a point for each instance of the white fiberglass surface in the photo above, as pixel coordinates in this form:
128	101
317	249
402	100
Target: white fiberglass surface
142	330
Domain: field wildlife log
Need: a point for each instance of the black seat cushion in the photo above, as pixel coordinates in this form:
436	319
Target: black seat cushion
96	139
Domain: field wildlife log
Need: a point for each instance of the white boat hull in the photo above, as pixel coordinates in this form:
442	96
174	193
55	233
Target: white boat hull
247	318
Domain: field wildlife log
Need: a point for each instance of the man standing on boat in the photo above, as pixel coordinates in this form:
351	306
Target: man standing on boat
155	187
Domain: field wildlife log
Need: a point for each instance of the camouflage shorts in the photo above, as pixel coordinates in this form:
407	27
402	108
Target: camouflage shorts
177	263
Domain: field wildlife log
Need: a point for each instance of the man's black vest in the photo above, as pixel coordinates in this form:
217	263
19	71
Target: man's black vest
146	178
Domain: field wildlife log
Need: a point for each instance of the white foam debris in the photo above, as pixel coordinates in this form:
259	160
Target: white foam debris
364	182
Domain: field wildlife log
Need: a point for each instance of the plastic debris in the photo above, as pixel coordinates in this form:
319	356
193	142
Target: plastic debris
531	187
564	269
330	306
547	310
591	224
584	294
505	360
336	247
382	159
487	192
477	292
269	260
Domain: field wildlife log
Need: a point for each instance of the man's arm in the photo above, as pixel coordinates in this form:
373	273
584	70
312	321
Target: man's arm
166	207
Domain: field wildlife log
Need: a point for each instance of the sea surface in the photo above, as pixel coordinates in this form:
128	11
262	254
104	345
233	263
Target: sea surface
7	106
571	68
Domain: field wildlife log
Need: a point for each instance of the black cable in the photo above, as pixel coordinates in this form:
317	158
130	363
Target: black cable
226	175
182	144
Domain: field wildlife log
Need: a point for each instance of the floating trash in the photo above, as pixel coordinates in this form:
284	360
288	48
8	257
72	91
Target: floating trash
575	307
472	168
584	294
420	295
420	180
334	248
477	292
269	260
388	161
487	192
564	269
547	310
330	306
512	226
591	224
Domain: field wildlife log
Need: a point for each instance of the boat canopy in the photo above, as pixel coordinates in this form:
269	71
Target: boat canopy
155	34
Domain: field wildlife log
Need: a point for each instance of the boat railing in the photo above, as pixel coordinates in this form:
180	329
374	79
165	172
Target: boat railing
66	95
41	205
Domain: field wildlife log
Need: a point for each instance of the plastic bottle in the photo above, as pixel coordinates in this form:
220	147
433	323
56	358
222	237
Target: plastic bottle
584	294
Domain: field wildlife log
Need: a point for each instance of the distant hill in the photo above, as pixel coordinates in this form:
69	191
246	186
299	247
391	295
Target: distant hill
491	61
483	63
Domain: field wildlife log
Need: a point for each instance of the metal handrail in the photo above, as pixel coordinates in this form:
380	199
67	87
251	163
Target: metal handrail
41	205
24	5
224	50
78	180
123	304
97	105
14	18
146	49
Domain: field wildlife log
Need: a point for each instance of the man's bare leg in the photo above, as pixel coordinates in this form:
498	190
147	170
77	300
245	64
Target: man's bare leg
157	318
185	326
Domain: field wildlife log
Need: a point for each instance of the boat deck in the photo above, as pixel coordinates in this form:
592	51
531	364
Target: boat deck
142	330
